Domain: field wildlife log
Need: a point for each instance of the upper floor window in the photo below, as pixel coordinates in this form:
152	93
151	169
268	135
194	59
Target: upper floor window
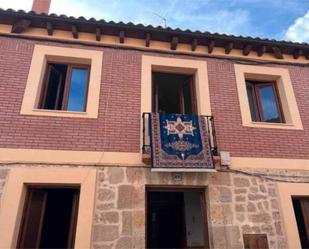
173	93
266	97
65	87
264	102
63	82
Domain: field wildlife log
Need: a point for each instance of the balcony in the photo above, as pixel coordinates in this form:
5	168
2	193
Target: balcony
176	142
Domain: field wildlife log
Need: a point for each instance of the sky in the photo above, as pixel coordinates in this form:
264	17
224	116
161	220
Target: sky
274	19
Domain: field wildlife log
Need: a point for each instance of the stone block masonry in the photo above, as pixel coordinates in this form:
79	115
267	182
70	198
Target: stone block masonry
3	176
237	204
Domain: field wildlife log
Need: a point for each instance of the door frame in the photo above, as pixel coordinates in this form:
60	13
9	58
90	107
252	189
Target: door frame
164	188
29	188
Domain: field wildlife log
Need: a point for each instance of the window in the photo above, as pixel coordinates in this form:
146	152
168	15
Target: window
65	87
264	102
266	97
63	82
301	210
255	241
197	69
49	218
173	93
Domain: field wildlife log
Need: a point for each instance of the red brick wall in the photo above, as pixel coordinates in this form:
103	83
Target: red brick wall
116	129
256	142
118	125
41	6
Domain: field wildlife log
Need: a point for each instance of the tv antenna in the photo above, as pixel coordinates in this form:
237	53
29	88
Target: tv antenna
163	19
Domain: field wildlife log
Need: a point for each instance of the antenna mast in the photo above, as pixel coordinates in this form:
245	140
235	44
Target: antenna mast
162	18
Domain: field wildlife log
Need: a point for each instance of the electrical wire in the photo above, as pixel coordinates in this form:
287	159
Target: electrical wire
271	177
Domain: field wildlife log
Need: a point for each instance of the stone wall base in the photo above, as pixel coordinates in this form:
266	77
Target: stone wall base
236	204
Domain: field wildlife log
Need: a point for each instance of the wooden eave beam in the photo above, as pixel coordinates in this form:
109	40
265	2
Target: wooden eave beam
49	28
121	36
261	50
174	43
147	40
23	24
194	44
98	34
296	54
277	53
211	46
247	49
74	31
20	26
228	48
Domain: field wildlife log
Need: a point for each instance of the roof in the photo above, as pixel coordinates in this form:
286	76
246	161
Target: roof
63	22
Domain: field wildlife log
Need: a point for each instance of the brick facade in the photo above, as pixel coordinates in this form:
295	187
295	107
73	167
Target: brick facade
237	202
118	125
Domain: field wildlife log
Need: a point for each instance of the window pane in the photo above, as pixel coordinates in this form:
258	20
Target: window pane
78	89
252	103
55	87
269	104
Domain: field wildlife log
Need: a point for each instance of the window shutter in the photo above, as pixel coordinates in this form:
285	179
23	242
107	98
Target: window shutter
30	232
193	94
73	222
304	203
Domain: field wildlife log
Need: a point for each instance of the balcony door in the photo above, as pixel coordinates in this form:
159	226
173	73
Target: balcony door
173	93
176	218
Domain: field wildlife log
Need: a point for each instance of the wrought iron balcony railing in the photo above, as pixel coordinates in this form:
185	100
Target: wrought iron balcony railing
210	124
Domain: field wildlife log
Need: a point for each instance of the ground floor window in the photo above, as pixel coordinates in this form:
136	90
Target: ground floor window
176	218
49	217
301	209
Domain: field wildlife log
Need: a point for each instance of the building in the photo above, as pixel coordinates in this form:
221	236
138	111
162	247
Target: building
81	155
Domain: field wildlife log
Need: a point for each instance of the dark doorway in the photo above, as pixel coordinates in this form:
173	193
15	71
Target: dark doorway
301	210
49	218
173	93
176	219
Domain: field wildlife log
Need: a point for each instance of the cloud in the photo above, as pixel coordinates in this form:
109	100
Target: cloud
221	21
299	30
16	4
203	15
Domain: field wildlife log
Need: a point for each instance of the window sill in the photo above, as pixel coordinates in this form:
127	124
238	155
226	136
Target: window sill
288	126
58	113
